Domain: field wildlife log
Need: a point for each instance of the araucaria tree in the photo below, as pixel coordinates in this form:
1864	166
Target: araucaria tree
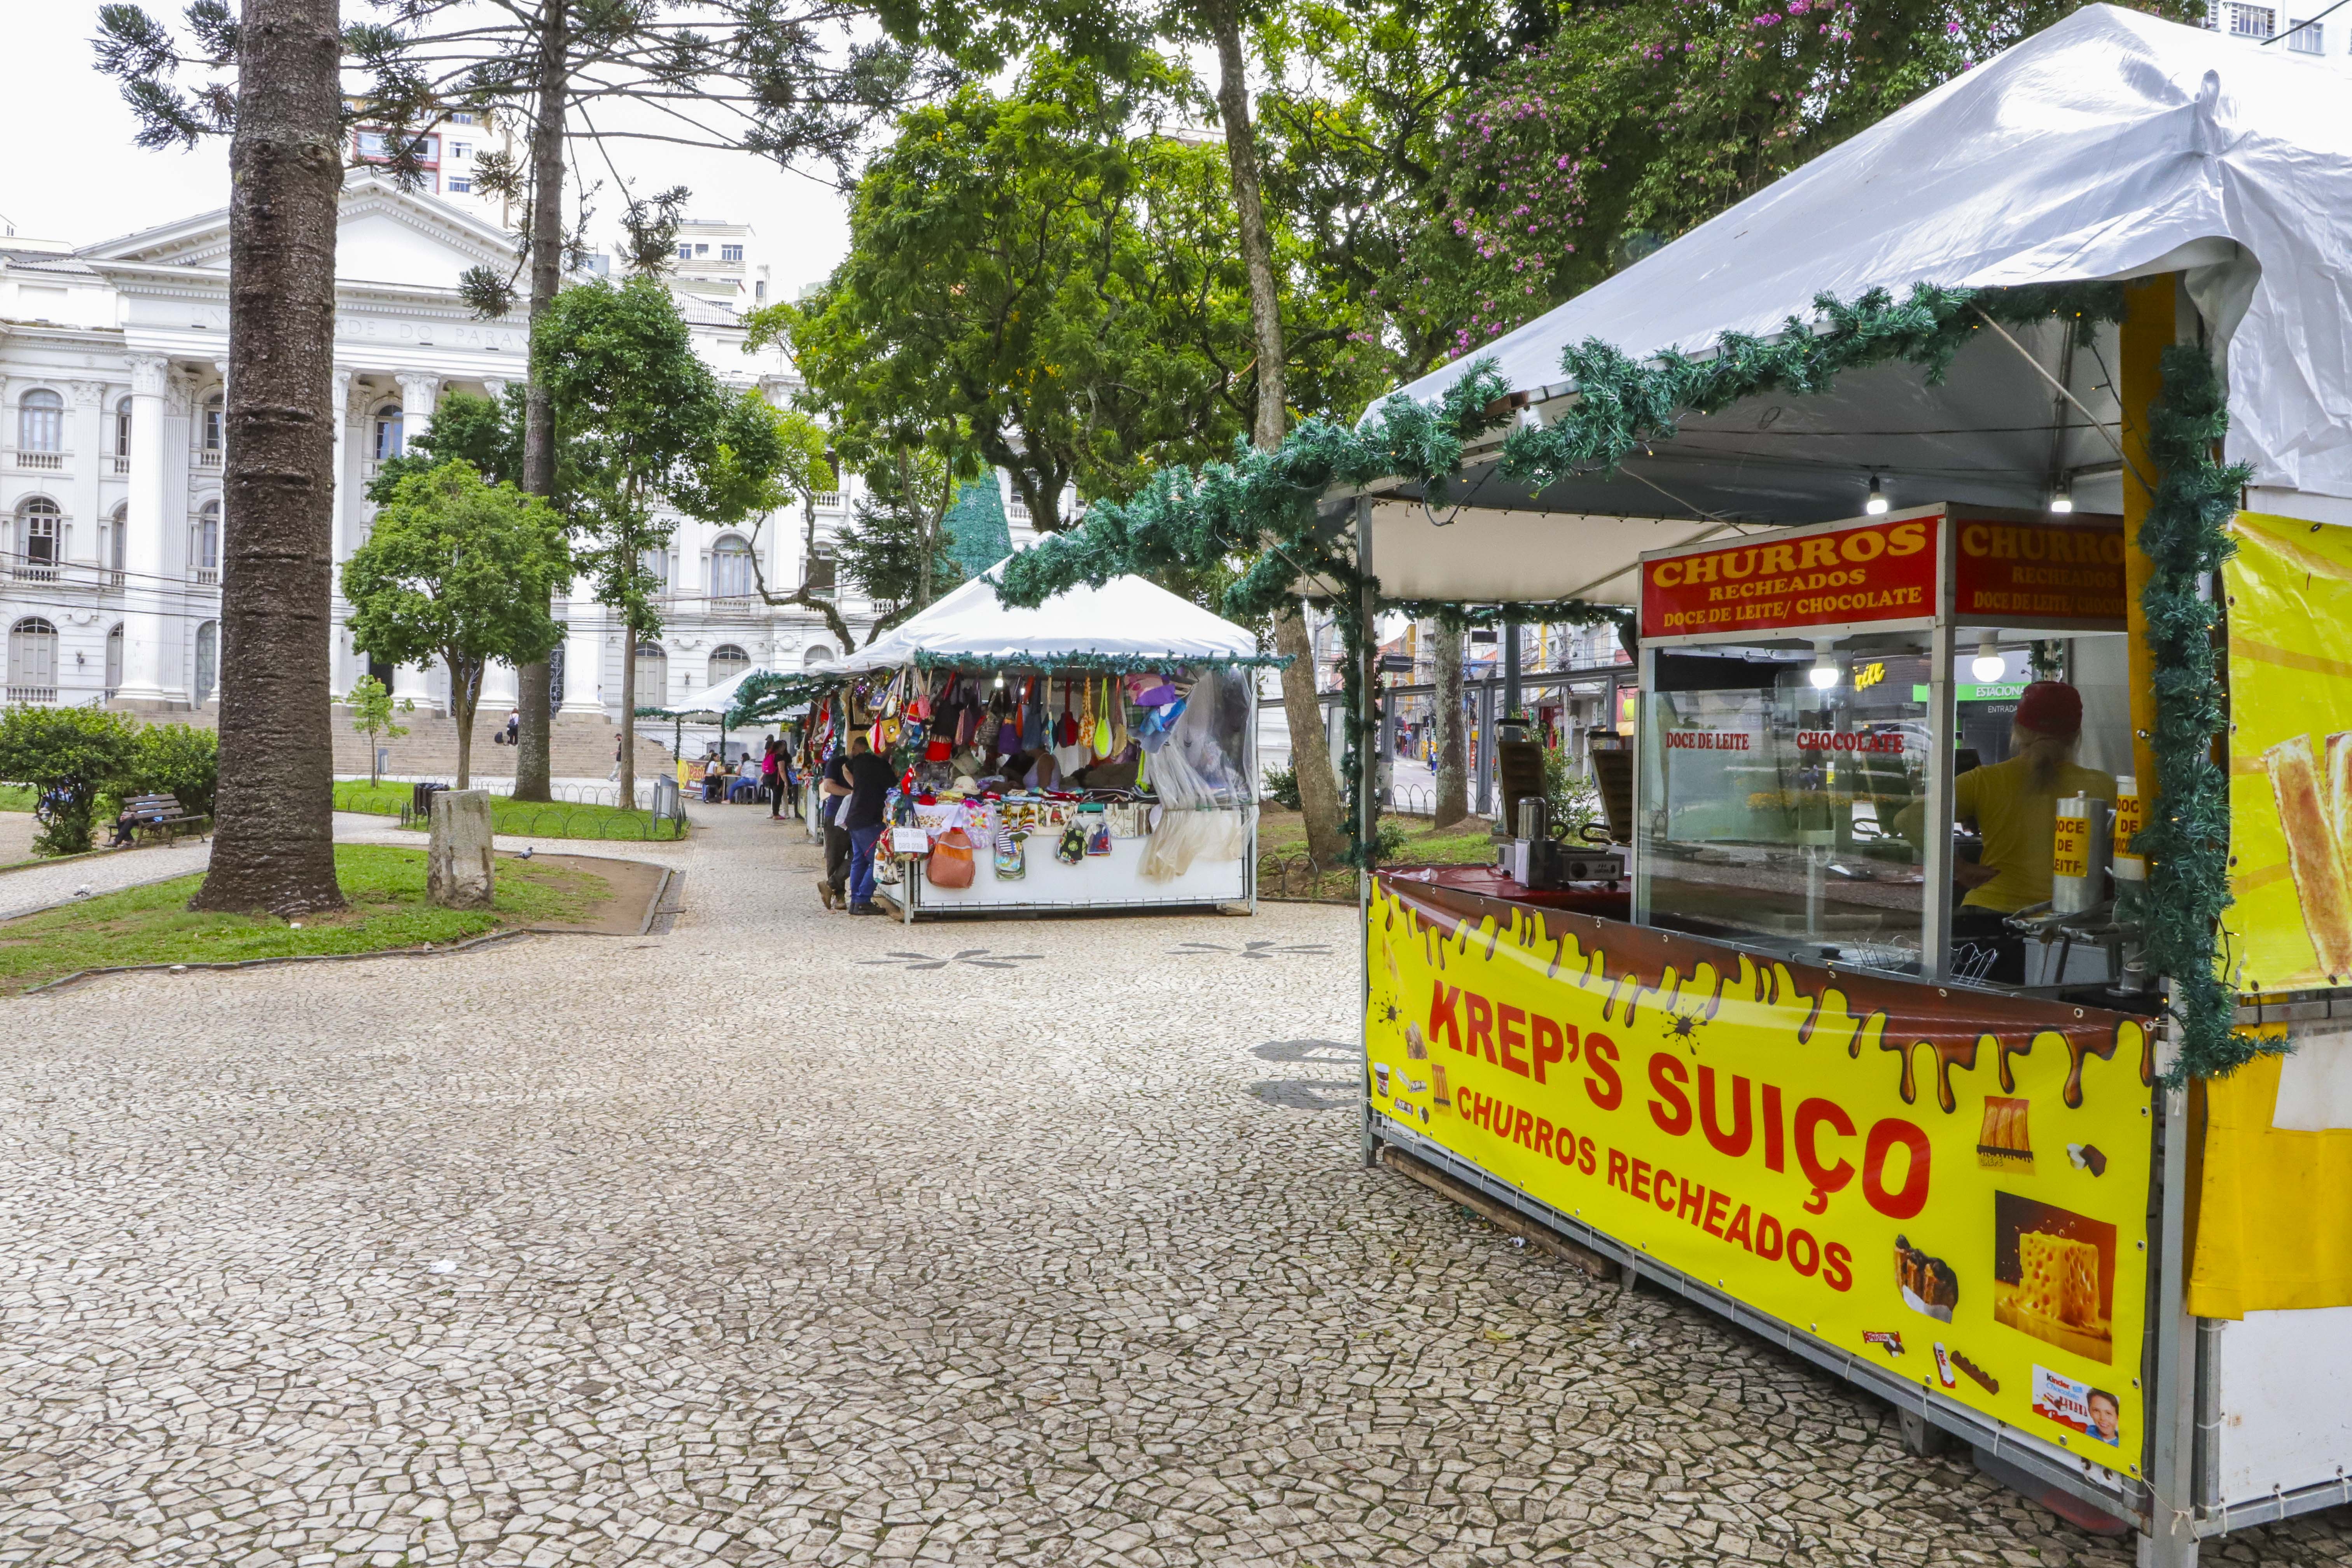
274	848
462	571
651	434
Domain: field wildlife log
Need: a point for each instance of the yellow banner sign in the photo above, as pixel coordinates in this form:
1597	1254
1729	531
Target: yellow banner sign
2290	594
1953	1183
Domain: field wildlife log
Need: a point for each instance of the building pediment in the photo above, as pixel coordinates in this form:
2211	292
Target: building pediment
383	235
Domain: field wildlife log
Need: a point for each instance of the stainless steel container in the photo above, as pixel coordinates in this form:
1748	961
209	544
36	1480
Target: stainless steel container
2079	855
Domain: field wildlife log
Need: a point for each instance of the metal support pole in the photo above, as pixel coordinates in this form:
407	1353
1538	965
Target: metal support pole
2171	1538
1483	764
1367	822
1511	703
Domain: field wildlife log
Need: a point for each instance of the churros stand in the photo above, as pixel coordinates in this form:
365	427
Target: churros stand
2047	376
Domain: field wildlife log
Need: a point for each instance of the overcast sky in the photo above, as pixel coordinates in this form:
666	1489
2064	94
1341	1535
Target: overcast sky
77	176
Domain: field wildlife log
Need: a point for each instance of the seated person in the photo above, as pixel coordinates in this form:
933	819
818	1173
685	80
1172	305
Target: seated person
747	782
714	779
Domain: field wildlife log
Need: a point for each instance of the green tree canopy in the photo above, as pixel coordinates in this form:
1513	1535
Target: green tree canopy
650	433
1043	276
459	570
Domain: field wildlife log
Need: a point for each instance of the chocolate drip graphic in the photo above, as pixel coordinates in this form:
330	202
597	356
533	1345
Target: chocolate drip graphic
1949	1053
2146	1054
2008	1048
2078	1048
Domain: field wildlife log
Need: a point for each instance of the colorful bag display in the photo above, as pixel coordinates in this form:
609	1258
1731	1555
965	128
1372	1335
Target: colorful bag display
1011	862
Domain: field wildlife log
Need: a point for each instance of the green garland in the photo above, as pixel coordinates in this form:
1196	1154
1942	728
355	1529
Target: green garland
2186	841
1263	504
763	697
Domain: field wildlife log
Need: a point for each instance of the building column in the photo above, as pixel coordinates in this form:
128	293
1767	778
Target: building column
412	683
419	394
145	627
339	494
499	688
583	650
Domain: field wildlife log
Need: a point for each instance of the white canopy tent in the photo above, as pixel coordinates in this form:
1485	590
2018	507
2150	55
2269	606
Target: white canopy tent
1126	617
717	699
2111	146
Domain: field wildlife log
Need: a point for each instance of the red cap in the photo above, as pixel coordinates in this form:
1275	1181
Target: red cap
2051	708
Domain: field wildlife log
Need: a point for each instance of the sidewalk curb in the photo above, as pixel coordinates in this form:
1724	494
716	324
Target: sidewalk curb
485	940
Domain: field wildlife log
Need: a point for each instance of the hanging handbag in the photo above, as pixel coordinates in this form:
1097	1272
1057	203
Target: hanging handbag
951	864
1072	849
1066	733
1011	862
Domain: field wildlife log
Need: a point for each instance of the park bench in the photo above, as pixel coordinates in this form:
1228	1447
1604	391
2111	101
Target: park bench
154	815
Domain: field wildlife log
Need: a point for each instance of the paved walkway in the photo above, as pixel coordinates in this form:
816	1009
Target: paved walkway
792	1237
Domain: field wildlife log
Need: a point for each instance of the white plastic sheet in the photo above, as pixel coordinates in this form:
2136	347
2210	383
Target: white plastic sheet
2112	145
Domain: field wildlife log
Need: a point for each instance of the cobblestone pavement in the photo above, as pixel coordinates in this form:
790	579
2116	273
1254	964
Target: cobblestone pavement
802	1239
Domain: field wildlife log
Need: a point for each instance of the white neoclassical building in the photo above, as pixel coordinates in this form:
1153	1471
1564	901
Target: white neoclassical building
112	359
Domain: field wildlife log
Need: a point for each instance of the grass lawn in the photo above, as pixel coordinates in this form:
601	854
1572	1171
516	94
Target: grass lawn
386	887
522	818
1282	839
16	797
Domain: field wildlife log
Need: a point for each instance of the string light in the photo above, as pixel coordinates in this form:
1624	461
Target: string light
1824	673
2061	496
1877	505
1987	666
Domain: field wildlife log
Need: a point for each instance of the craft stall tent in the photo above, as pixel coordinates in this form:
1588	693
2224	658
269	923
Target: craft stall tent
2107	191
1193	845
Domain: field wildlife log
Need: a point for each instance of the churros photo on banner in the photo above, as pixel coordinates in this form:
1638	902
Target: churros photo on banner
1953	1182
2289	588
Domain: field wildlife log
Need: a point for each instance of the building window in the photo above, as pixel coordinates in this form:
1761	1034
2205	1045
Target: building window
216	409
463	119
727	662
2308	38
731	253
461	187
123	429
686	252
822	576
655	564
114	661
596	264
653	674
760	289
32	661
387	431
111	535
40	527
207	661
41	421
819	654
731	568
203	544
376	147
702	250
461	149
2252	21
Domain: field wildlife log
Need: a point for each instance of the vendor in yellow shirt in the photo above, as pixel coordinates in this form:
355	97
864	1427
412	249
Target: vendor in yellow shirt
2013	806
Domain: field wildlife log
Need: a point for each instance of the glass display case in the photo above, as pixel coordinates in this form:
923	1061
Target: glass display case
1812	700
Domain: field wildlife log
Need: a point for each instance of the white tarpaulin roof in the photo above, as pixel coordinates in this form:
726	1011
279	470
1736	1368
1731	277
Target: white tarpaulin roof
716	698
1125	616
2112	145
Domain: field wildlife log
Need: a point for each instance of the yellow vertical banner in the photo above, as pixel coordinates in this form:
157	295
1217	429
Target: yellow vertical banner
1950	1184
2289	591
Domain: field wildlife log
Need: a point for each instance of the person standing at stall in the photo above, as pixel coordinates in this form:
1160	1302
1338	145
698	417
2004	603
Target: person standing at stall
833	801
869	780
2013	806
771	779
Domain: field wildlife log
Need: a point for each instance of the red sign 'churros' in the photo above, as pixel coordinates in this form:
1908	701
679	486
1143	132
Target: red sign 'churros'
1872	572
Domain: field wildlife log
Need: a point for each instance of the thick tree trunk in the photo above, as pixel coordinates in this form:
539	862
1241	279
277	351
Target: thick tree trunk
1453	767
1310	747
1310	756
275	846
531	764
628	775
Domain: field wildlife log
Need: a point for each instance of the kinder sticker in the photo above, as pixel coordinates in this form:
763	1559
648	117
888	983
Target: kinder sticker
2078	1407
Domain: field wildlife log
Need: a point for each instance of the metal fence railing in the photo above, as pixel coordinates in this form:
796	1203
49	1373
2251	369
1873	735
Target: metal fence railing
660	818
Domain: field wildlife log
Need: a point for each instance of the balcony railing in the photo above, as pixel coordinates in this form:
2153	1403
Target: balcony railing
208	457
118	464
37	694
207	576
828	500
39	462
34	572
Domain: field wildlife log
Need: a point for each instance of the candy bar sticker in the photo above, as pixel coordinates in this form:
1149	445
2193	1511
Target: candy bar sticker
2078	1407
